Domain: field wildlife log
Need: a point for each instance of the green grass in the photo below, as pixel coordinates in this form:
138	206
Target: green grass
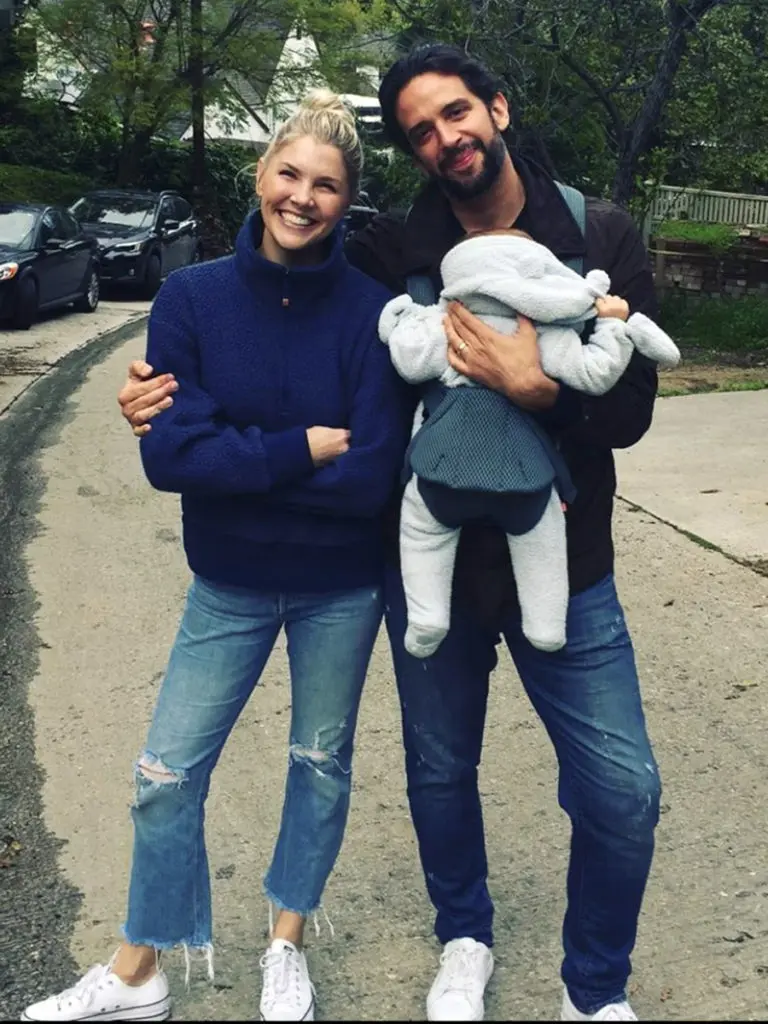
32	185
718	237
717	324
728	385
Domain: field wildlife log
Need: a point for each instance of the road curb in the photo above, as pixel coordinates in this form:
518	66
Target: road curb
112	336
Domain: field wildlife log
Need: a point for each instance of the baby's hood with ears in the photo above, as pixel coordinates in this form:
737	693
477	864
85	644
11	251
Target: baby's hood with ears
523	275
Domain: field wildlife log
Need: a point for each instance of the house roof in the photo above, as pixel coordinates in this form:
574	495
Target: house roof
246	93
259	83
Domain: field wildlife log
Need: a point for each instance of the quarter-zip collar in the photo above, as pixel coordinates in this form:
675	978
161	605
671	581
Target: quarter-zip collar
432	228
290	284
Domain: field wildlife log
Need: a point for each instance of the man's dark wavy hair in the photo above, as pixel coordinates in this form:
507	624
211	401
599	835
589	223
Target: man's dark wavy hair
423	58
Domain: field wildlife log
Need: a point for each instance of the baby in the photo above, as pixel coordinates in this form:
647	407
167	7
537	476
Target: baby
479	456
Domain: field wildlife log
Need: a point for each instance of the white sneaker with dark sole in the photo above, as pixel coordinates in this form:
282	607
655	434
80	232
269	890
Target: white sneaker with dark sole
101	995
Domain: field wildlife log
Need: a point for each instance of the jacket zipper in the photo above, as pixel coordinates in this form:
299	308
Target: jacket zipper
285	303
286	297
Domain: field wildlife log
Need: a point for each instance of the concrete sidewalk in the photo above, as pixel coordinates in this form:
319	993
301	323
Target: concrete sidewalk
26	356
703	467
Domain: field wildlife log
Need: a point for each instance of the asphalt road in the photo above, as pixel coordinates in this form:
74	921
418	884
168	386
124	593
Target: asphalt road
91	580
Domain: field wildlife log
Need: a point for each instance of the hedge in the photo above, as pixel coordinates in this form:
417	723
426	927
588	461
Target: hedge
33	185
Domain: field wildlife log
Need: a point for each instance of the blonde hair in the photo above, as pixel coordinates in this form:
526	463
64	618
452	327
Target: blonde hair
325	117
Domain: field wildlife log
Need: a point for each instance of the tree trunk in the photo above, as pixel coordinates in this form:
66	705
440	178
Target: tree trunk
16	59
196	81
682	20
135	146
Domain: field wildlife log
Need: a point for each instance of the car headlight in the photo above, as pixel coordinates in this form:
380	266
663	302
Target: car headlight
128	248
8	270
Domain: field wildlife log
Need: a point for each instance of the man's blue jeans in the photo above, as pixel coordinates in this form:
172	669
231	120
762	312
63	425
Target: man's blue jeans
588	698
224	641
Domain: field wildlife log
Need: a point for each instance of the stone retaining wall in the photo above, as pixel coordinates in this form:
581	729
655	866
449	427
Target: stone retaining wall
695	269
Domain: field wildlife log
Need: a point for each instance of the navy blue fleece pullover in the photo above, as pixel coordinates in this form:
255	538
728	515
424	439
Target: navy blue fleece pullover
261	354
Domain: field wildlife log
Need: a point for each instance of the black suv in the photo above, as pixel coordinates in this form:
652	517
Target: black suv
142	236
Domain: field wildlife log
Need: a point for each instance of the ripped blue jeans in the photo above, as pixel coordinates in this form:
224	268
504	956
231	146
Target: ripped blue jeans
224	640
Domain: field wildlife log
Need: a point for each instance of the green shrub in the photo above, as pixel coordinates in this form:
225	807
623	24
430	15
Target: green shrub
33	185
718	237
49	135
717	324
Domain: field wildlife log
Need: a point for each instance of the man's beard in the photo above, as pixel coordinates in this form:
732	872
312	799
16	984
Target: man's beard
493	161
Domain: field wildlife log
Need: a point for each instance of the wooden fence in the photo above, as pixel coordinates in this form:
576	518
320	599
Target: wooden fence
709	207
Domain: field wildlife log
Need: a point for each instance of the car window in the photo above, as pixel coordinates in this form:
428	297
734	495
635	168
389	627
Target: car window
69	226
17	227
47	227
182	208
120	211
166	210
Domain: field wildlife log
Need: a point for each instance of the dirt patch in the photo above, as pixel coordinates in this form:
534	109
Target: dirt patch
701	371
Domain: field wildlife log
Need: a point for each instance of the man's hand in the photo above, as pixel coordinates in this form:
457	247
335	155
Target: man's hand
508	363
326	444
144	396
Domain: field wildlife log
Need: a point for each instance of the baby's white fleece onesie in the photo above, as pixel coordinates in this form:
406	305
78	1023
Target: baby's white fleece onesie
496	277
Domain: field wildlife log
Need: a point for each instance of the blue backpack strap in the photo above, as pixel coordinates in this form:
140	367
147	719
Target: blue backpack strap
578	207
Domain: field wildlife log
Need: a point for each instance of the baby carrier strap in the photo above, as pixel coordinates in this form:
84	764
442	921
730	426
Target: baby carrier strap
578	207
422	291
420	286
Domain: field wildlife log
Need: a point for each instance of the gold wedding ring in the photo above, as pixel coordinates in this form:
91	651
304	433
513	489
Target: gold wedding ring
462	346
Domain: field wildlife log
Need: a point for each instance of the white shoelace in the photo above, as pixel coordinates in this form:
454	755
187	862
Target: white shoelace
460	969
282	975
85	989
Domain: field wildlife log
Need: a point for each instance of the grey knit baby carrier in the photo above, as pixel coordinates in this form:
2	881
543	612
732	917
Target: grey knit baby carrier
475	439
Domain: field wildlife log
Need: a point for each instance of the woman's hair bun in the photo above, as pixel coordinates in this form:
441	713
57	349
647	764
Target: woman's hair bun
326	101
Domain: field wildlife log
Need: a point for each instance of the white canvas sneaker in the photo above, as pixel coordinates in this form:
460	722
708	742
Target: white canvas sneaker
457	992
612	1011
286	991
101	994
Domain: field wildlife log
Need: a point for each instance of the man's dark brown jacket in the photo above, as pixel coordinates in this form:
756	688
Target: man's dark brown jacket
586	428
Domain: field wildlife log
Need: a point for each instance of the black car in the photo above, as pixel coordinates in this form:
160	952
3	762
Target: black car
46	260
142	236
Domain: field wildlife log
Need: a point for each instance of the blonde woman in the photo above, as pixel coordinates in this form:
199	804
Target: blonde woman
284	441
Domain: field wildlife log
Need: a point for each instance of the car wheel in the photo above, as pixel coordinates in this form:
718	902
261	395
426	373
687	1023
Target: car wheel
152	276
26	304
89	301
